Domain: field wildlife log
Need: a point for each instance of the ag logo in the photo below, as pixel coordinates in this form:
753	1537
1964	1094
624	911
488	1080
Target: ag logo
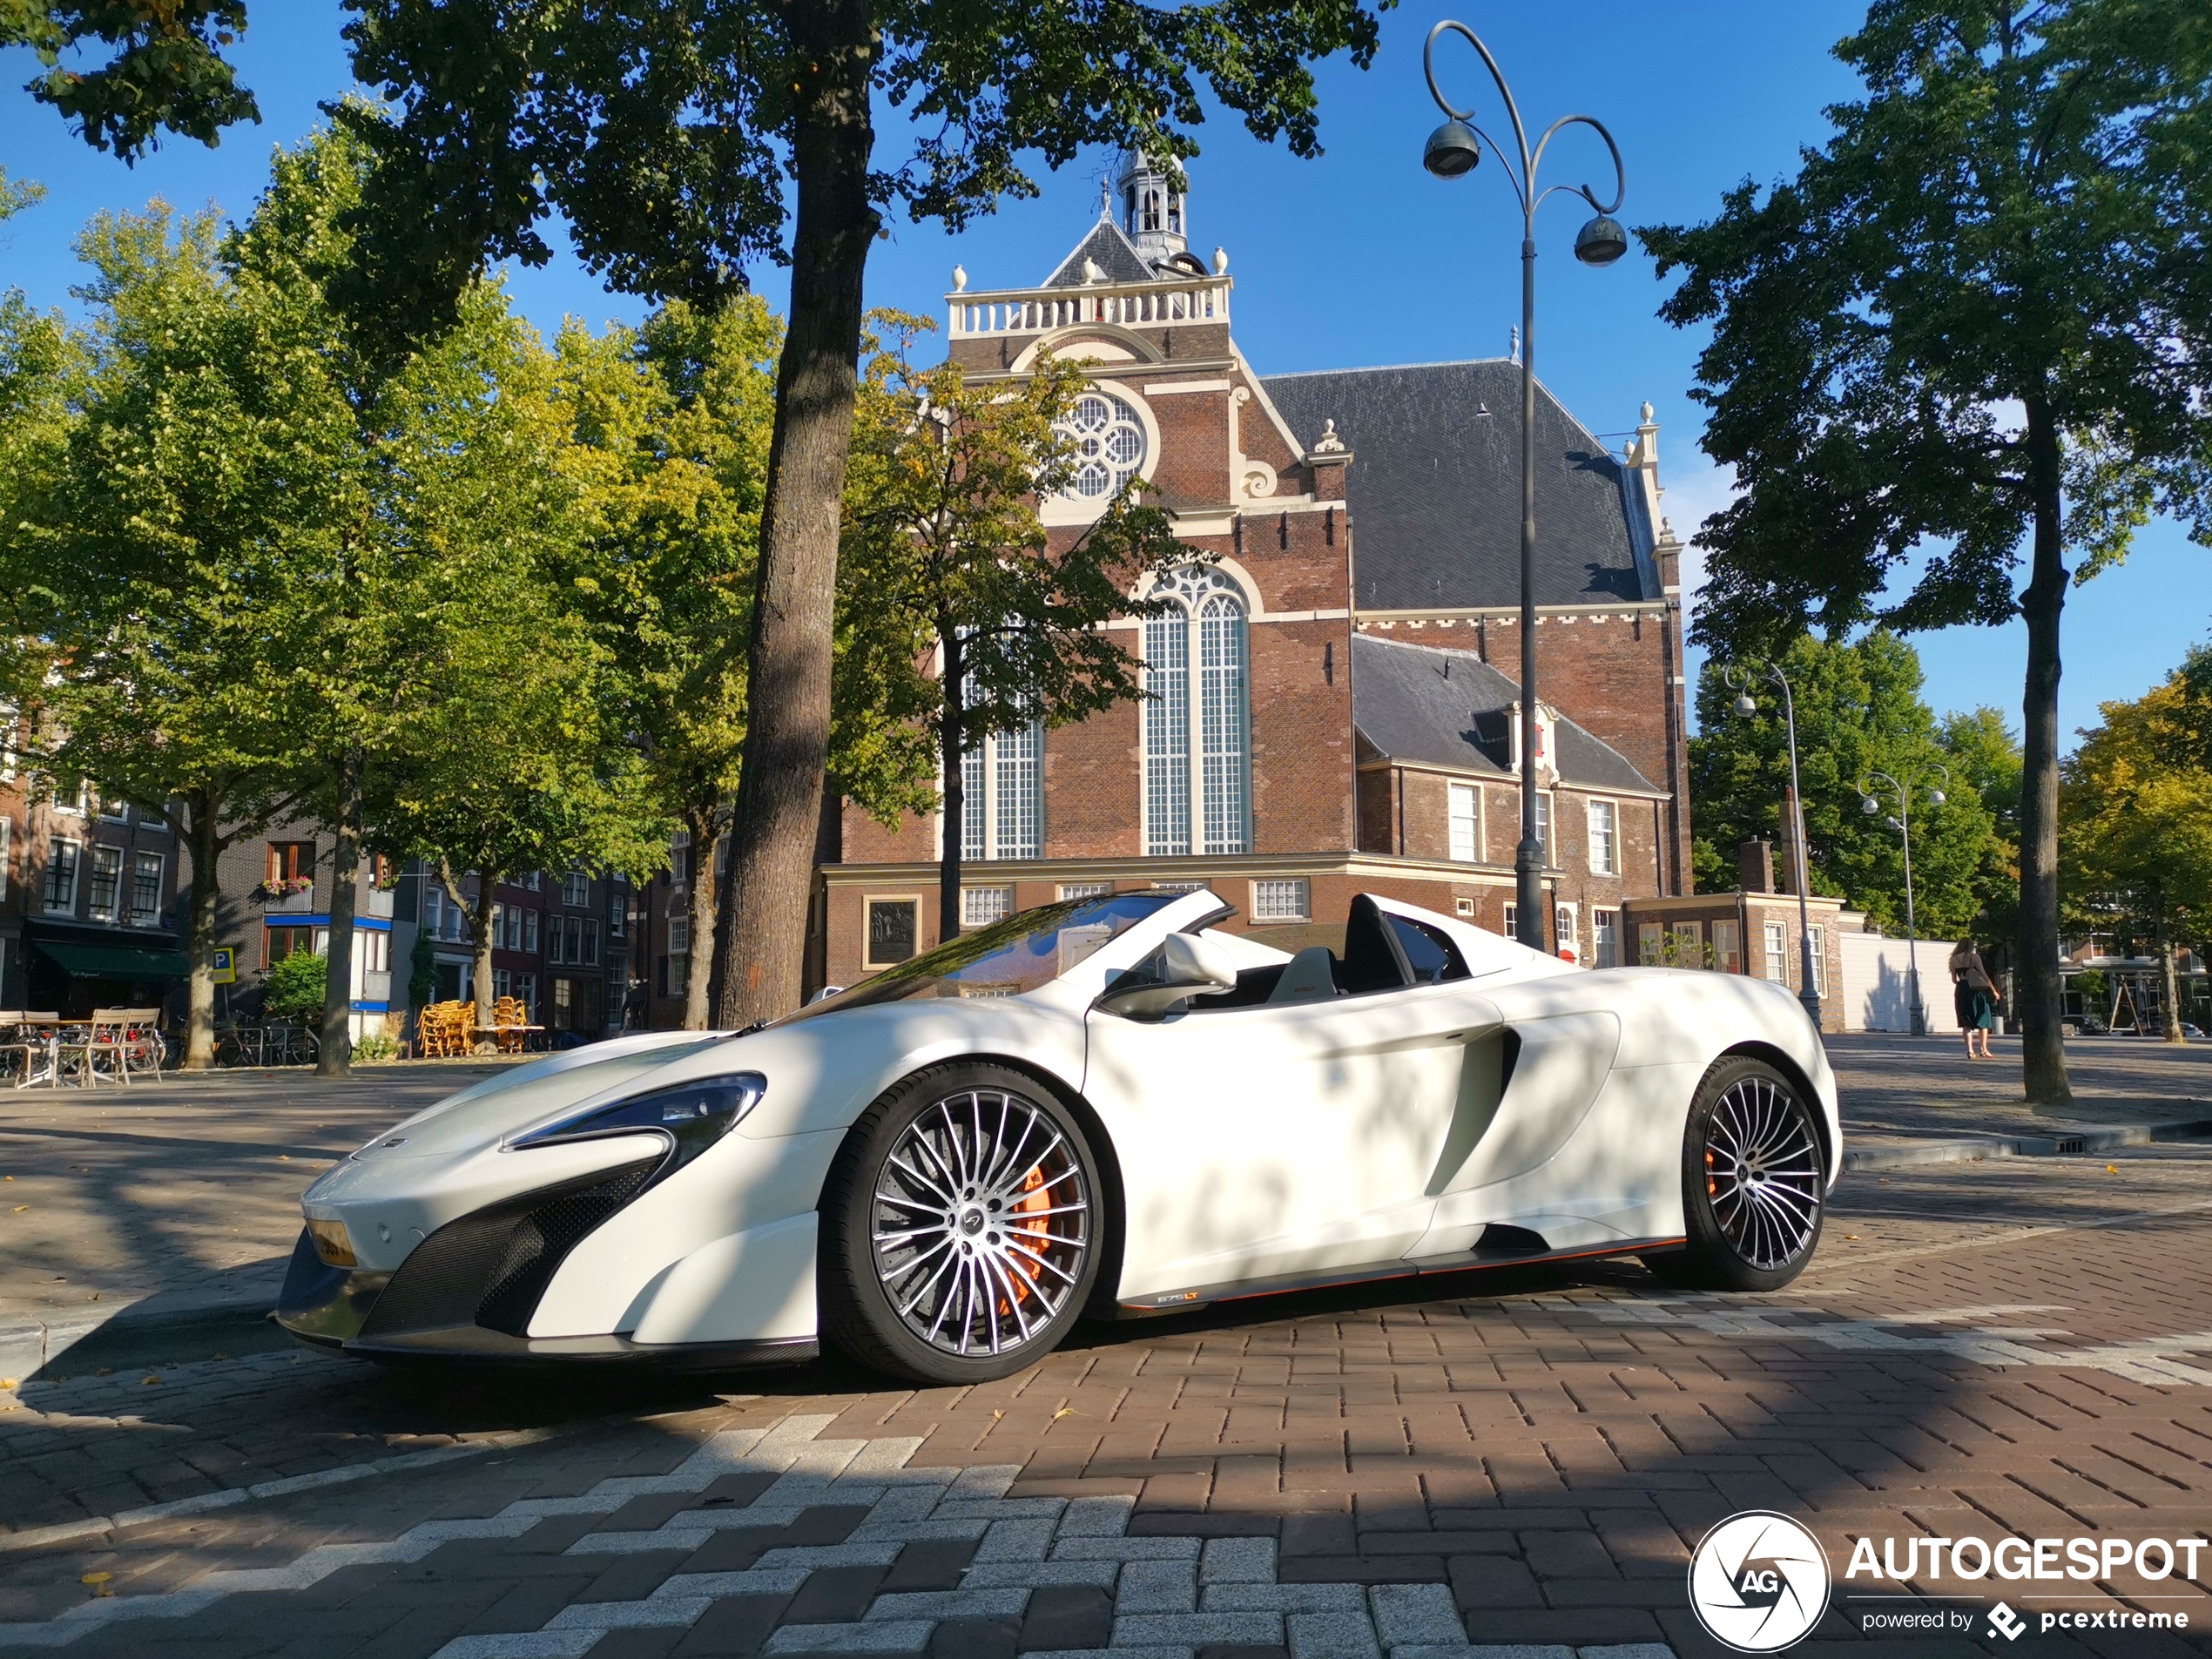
2003	1622
1758	1582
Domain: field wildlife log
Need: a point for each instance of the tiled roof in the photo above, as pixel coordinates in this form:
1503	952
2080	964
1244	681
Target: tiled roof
1449	708
1435	486
1116	257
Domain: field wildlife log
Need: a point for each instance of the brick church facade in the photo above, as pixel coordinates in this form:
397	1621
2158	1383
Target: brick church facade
1333	705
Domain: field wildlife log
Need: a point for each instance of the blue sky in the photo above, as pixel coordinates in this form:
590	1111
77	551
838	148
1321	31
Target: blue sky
1357	257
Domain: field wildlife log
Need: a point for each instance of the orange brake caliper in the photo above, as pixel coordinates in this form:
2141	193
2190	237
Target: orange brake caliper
1034	1228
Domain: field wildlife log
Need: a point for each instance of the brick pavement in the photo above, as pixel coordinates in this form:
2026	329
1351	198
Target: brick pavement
1502	1460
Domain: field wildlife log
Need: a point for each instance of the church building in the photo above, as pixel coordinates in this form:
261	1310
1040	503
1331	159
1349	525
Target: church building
1333	701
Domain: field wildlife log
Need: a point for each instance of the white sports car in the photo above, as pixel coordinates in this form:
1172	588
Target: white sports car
1101	1107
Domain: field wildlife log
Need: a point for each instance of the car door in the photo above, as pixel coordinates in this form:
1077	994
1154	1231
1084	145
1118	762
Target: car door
1287	1137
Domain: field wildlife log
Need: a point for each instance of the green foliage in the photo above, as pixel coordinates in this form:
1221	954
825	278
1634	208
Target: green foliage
291	992
2137	839
167	71
2012	217
375	1048
18	194
1858	712
663	136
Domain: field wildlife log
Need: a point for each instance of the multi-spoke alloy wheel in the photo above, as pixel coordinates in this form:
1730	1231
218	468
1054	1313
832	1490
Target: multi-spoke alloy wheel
977	1192
982	1220
1754	1179
1763	1172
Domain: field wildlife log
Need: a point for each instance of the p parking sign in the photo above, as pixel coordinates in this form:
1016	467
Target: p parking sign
226	964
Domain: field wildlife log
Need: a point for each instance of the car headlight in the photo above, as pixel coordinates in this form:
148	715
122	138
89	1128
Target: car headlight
692	1116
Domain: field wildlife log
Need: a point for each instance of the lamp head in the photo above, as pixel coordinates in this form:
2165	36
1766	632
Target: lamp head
1601	241
1868	804
1895	822
1745	705
1453	150
1936	796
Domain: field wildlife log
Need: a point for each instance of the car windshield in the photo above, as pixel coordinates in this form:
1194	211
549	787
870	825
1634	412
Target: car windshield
1006	958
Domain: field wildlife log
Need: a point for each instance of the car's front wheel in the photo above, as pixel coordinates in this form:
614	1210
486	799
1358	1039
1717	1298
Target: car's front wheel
1753	1182
959	1227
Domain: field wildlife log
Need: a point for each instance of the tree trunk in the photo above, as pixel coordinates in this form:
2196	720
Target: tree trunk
2173	983
480	938
334	1048
761	945
2041	1011
952	727
203	839
704	832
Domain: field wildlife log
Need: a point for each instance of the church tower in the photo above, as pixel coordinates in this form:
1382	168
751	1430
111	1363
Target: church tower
1153	211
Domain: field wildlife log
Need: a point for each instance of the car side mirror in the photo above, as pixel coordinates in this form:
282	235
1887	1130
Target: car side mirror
1184	966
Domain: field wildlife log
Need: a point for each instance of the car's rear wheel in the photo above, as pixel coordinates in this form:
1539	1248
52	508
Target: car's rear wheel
961	1227
1754	1183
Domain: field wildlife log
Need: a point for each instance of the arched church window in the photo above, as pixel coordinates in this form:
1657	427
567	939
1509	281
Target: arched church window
1197	721
1175	214
1151	219
1109	444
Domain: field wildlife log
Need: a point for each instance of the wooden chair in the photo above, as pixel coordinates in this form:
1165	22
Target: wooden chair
511	1016
27	1047
107	1039
143	1047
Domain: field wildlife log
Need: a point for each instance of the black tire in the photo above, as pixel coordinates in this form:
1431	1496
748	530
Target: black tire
1000	1248
1754	1182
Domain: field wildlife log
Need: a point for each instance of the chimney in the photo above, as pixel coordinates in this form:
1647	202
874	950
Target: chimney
1754	867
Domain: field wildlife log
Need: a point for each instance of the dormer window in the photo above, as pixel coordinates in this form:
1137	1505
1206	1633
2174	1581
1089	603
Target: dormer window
1109	444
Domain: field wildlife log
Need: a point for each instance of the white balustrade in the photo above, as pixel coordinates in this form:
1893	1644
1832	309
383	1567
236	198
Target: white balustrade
1134	305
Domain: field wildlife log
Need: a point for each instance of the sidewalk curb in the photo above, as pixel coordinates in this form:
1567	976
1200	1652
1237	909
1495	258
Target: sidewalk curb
137	1334
1911	1154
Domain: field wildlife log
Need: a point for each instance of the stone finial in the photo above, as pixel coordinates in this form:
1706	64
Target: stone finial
1221	261
1666	527
1328	443
1091	272
1647	414
959	278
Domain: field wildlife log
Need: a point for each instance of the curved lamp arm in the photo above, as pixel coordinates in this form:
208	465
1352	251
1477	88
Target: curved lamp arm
1525	178
1620	172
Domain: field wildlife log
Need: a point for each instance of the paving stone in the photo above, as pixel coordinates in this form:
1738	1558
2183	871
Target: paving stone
975	1639
1189	1630
1332	1636
1415	1613
734	1627
1067	1616
888	1637
1238	1561
834	1595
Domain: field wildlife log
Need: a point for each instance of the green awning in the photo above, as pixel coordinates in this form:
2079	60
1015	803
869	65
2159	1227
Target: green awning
117	961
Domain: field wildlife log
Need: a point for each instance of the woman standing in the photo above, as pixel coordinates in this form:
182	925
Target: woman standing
1974	995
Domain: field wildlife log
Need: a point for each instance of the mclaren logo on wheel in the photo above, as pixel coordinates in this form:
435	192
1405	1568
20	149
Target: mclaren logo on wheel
1759	1581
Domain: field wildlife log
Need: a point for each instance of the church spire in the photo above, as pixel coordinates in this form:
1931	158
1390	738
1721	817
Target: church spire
1153	211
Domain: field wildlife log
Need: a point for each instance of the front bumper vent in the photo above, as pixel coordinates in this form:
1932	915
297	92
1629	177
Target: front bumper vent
490	1268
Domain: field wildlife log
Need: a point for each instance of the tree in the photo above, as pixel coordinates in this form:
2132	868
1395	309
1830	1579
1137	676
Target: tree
2138	841
672	423
510	752
670	140
181	542
1860	711
1979	317
167	71
941	527
1983	754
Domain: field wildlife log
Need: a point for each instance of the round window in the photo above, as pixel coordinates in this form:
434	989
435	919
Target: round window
1109	444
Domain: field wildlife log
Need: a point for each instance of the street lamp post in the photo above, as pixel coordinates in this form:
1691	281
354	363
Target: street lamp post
1452	151
1901	821
1737	677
